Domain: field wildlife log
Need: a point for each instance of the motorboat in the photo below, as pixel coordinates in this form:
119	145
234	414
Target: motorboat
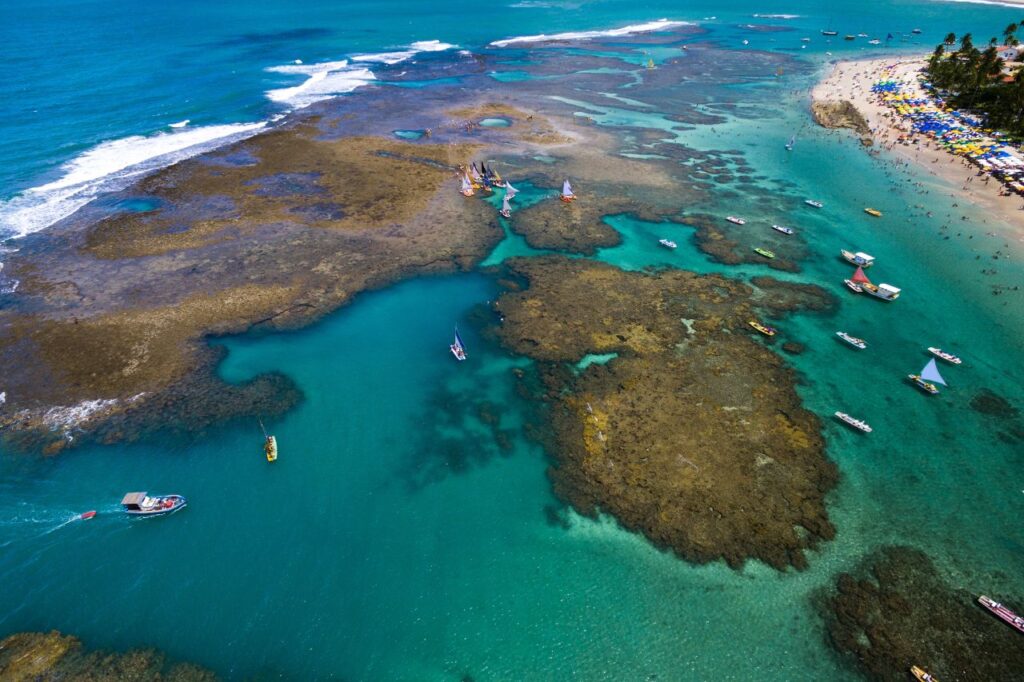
142	504
812	202
764	329
860	259
886	292
860	344
873	211
1002	612
764	252
734	219
668	243
783	229
858	424
948	357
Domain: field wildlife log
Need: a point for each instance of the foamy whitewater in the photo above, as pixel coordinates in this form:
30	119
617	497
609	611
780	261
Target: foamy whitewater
659	25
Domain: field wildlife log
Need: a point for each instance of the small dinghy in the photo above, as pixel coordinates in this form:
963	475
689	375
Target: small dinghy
85	516
467	186
764	252
763	328
141	504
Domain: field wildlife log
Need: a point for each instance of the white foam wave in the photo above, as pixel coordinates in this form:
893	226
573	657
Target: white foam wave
180	124
776	16
324	80
659	25
402	55
109	166
1016	4
68	417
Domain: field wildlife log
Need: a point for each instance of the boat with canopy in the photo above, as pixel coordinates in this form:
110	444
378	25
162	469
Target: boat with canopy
141	504
928	377
860	259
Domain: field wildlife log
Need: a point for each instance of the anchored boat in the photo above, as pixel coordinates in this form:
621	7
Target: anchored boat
764	252
269	444
922	675
764	329
857	282
141	504
510	191
567	194
948	357
667	243
886	292
467	186
852	340
457	348
812	202
506	208
873	211
860	259
858	424
734	219
783	229
1004	613
927	379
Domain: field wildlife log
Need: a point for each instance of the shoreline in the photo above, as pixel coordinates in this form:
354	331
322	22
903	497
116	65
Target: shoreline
851	81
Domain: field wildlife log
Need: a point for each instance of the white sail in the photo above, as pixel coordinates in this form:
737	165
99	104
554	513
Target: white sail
466	184
510	191
505	207
931	373
474	173
566	189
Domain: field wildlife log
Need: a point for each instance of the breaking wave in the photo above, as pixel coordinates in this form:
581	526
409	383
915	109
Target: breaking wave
659	25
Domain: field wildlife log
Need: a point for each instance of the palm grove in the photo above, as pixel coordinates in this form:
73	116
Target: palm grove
974	79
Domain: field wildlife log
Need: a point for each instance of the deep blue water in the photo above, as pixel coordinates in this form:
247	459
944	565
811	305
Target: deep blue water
399	537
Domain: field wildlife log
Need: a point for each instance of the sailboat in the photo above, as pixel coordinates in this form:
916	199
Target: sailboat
857	282
458	350
928	377
789	145
269	444
650	63
510	191
506	208
467	186
567	194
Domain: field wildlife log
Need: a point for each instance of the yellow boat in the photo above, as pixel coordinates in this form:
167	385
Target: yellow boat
873	211
764	329
270	448
922	675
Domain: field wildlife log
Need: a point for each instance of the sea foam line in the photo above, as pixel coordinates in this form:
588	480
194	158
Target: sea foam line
109	166
659	25
1008	3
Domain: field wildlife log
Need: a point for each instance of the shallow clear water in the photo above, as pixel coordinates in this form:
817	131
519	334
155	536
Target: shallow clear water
403	534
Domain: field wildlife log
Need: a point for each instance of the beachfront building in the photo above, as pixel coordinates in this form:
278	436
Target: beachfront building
1009	53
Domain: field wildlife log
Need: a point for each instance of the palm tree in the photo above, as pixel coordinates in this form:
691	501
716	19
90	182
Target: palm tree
1009	33
950	39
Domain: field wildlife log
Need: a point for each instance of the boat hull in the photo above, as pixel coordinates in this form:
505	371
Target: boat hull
1003	613
948	357
177	503
459	354
925	386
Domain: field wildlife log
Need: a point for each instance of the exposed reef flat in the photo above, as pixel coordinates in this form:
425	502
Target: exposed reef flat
693	434
896	611
842	114
42	657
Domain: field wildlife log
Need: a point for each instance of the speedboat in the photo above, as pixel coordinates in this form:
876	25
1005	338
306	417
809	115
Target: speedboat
764	252
830	33
862	35
858	424
873	211
948	357
764	329
853	286
916	31
860	258
875	41
921	675
141	504
734	219
783	229
852	340
812	202
667	243
1004	613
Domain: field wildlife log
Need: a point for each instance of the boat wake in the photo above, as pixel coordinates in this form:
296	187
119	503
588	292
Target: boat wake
108	167
659	25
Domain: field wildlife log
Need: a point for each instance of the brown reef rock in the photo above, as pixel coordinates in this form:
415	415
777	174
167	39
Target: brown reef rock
693	434
841	114
898	612
45	657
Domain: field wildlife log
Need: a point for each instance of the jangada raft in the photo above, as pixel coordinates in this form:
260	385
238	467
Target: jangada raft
927	379
1004	613
567	194
141	504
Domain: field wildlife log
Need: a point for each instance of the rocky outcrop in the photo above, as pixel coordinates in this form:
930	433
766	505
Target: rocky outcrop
842	114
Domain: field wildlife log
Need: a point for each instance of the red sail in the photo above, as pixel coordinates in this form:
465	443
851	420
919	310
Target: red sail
859	277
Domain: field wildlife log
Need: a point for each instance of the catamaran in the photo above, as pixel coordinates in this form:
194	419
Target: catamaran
860	258
734	219
858	424
852	340
457	348
764	252
668	243
948	357
812	202
783	229
1004	613
506	208
921	675
567	194
927	379
763	328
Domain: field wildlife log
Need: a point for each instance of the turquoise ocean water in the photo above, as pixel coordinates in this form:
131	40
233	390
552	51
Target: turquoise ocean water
404	536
